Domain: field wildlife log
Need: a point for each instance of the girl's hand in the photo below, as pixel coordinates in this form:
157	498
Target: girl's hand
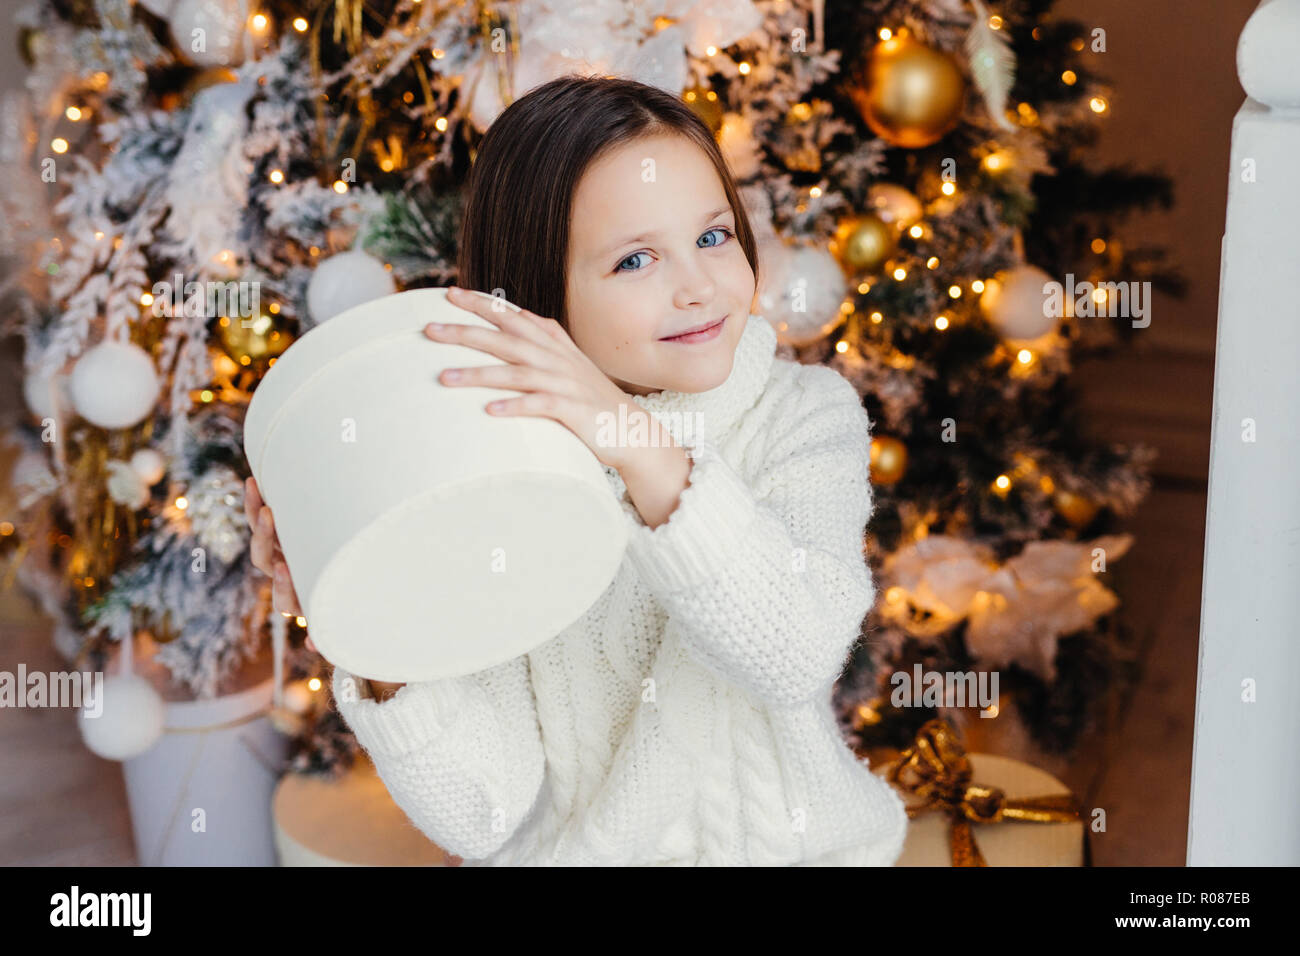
563	384
266	553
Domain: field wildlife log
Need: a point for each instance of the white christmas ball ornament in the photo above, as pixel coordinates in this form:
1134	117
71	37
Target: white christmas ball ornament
126	722
149	465
125	485
346	280
114	385
801	291
38	392
209	32
1016	303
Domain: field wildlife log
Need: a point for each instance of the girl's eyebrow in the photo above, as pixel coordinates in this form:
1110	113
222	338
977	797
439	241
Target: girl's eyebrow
650	235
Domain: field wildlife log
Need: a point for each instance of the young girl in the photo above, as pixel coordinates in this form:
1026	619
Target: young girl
685	718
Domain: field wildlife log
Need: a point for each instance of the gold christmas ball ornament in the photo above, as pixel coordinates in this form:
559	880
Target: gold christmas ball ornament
253	340
908	93
863	243
888	460
895	205
1077	510
706	105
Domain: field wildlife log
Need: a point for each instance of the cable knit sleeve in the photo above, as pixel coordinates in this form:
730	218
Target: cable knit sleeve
462	756
768	580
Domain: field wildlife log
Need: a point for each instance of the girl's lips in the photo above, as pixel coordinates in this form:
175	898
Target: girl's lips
705	335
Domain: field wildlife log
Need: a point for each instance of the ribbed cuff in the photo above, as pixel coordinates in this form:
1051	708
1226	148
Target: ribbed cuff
704	533
415	715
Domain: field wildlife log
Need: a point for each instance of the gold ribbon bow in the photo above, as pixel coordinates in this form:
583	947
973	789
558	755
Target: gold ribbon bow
935	767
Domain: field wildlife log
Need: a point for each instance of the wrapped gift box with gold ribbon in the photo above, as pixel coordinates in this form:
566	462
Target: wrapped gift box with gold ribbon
981	809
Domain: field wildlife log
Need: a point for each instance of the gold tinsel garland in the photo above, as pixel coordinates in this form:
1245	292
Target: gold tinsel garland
103	532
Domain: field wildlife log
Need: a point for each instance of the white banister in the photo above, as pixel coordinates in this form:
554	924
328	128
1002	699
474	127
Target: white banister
1245	790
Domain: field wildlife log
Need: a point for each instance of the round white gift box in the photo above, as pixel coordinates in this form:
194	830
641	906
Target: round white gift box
425	538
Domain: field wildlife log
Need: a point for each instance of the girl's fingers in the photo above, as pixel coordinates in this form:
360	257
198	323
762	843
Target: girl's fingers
477	301
252	501
505	315
514	346
519	378
311	647
261	548
283	596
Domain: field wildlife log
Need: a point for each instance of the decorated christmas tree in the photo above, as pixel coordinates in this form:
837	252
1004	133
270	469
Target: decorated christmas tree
197	183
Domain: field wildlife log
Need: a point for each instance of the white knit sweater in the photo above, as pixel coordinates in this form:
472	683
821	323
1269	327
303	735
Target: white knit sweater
685	718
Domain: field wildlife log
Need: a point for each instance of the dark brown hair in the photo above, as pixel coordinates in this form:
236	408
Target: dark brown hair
519	195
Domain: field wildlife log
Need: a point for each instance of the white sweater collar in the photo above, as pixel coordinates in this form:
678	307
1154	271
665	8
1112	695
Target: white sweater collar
713	413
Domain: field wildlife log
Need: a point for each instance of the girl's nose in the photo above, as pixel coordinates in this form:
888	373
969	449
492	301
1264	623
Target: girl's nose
695	288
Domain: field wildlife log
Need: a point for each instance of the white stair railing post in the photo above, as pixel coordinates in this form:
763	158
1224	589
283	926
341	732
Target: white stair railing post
1245	790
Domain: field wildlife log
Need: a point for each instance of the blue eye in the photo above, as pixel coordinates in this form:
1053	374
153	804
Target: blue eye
620	268
727	234
722	229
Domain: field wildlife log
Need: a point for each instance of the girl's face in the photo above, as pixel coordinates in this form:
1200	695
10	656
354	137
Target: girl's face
652	254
